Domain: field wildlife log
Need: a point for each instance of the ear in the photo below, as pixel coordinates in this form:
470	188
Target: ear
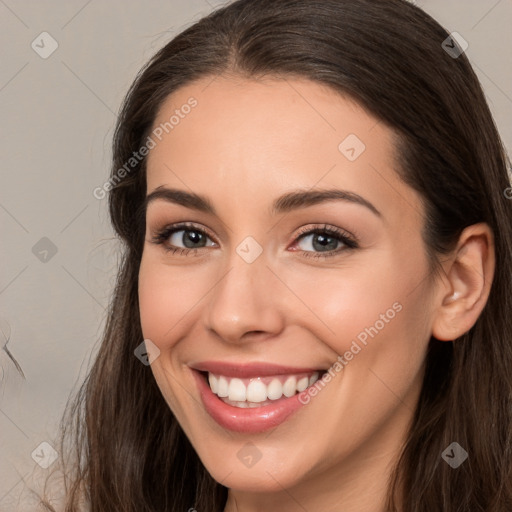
469	274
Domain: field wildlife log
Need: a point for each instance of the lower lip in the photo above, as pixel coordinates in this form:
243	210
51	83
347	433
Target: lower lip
247	420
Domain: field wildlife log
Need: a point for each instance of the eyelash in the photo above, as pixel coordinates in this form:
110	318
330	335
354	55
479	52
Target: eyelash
350	243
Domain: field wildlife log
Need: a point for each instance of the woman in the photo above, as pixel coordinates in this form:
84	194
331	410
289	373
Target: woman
313	308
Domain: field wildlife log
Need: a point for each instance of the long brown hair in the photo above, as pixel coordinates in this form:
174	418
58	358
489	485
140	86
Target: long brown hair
126	451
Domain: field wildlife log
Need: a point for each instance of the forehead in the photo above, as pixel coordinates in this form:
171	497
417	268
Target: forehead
242	114
259	138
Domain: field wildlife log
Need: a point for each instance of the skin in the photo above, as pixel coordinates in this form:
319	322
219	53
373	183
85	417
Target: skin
243	145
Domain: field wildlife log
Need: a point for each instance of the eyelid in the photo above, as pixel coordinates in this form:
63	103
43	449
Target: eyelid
346	238
326	228
170	229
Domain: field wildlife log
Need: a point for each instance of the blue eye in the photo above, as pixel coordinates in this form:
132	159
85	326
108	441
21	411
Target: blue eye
193	238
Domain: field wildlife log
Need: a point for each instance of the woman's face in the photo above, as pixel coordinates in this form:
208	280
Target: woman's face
251	285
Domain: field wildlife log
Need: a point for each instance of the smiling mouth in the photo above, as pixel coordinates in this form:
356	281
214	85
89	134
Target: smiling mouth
259	391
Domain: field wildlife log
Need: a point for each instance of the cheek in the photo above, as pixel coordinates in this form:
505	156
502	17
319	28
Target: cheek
345	301
166	296
374	310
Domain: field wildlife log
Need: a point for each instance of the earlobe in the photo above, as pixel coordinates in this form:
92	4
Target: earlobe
464	293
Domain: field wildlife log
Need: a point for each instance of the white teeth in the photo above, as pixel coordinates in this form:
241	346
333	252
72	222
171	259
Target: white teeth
301	385
222	387
290	386
256	391
313	378
252	392
237	391
274	390
213	382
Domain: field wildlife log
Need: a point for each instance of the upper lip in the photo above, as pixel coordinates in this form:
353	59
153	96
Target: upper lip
248	370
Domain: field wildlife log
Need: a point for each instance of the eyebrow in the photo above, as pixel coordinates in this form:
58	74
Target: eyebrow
287	202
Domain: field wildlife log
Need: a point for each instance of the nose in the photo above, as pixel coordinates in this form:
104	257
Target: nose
244	304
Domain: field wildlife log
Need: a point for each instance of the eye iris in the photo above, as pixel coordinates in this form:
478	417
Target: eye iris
324	242
192	236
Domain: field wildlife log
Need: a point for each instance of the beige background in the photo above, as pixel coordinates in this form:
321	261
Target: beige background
57	117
